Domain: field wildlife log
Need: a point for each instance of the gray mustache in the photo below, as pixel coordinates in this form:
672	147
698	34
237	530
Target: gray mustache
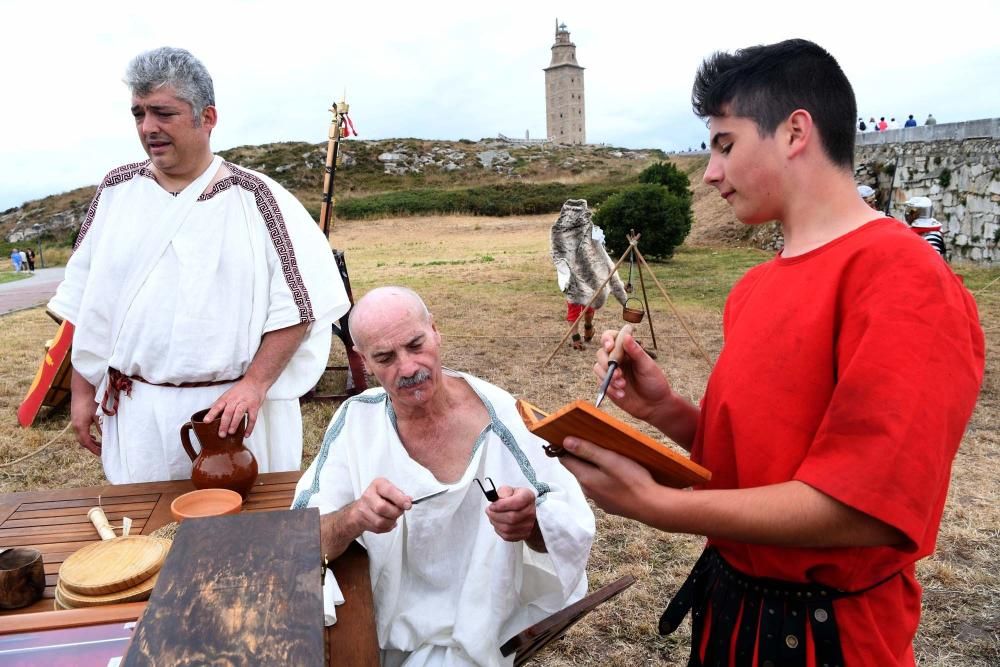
418	377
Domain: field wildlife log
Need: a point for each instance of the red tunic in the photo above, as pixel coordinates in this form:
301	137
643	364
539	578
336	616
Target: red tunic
853	368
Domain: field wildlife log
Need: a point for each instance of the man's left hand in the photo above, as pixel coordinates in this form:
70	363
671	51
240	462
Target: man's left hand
513	516
243	398
616	483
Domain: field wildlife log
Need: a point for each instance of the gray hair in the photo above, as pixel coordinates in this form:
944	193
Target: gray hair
176	68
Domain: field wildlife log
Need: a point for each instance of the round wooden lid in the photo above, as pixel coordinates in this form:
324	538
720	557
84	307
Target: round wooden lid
113	565
70	600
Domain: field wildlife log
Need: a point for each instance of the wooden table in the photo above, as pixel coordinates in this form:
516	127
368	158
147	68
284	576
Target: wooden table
55	523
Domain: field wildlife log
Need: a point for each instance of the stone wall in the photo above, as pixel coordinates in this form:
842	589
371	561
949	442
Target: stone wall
956	165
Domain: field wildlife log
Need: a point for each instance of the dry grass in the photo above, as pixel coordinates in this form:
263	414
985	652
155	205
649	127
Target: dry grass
491	287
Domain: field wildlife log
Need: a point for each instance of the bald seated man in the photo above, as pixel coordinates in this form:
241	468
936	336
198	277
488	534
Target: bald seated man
454	575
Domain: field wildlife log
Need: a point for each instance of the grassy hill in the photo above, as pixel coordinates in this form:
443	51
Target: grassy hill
399	176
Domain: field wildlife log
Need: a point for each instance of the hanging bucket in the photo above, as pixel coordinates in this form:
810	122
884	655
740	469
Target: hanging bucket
633	315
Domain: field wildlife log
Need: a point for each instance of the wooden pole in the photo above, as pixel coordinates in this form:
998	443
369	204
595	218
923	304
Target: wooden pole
597	292
332	153
645	301
674	308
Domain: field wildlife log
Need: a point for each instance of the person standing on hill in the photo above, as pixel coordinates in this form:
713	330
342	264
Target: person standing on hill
828	477
194	284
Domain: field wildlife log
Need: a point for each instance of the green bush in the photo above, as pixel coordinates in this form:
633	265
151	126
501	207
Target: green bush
945	178
492	200
667	175
660	216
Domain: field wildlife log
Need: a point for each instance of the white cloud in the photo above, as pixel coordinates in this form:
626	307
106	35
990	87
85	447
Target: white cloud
448	69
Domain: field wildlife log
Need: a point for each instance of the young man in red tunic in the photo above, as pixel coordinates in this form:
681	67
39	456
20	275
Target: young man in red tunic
828	478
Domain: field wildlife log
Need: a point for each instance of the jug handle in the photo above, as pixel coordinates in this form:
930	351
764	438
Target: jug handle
186	440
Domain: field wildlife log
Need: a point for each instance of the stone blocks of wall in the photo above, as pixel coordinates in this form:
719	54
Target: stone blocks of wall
961	176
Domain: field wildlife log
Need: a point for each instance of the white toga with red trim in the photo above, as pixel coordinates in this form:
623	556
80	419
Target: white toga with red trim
180	289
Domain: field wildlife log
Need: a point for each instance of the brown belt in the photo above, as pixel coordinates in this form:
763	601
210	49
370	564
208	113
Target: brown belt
119	383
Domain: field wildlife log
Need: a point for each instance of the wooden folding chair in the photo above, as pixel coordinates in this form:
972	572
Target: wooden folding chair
525	644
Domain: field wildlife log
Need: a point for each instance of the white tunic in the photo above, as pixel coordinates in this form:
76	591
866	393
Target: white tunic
447	589
180	289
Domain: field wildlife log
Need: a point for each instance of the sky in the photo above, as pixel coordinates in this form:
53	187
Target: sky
449	70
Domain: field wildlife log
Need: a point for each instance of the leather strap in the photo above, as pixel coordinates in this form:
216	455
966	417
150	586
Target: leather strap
119	383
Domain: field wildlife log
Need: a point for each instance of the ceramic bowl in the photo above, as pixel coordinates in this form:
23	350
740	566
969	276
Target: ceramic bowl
205	502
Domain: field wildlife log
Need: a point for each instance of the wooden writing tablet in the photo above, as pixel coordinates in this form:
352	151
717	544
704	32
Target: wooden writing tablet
584	420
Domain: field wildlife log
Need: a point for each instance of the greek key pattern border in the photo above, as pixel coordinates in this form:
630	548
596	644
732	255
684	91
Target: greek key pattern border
116	176
267	205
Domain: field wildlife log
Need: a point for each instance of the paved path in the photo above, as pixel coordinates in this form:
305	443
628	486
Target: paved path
32	291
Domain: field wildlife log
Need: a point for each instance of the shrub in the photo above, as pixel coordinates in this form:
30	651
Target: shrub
491	200
945	178
660	216
667	175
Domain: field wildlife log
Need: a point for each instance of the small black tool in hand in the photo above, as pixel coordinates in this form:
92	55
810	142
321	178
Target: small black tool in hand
492	494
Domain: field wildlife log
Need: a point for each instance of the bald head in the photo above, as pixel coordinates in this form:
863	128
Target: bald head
381	305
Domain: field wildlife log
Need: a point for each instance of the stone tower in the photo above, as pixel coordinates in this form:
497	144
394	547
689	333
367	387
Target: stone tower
565	117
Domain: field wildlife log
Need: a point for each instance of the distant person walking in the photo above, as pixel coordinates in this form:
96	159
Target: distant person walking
910	122
15	260
931	120
31	259
24	262
917	212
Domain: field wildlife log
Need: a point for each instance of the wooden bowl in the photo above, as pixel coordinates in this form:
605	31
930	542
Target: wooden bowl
206	502
22	577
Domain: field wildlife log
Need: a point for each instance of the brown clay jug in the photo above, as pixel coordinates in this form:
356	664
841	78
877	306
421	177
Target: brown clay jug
224	463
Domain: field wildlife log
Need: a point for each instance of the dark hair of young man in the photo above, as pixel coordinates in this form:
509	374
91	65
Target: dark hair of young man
767	83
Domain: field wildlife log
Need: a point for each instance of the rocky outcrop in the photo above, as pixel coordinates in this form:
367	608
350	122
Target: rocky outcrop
56	221
365	166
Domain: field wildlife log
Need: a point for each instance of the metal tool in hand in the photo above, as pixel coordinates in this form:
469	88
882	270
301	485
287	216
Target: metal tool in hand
614	360
427	497
491	495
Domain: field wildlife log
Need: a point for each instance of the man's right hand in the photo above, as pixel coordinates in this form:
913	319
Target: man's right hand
639	387
378	508
83	413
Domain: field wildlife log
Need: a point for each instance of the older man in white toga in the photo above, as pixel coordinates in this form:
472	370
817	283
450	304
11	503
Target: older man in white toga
194	283
455	575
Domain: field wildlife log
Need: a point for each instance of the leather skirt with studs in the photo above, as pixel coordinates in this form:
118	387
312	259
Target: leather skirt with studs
773	619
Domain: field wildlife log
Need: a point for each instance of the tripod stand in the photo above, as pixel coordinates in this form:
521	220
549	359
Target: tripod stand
632	252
